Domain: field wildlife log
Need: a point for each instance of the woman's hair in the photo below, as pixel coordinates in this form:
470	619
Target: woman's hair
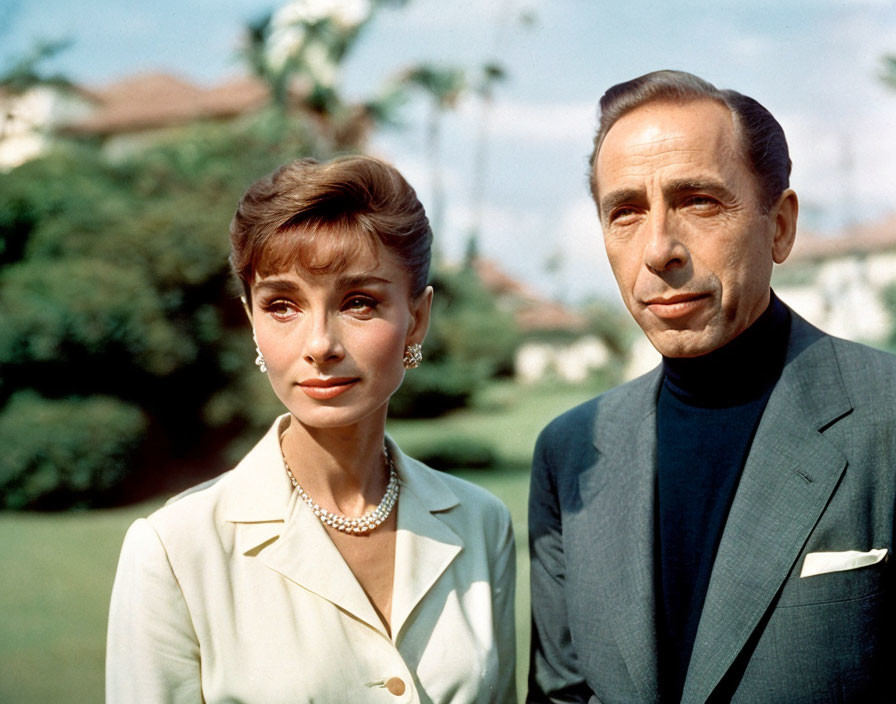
318	217
762	138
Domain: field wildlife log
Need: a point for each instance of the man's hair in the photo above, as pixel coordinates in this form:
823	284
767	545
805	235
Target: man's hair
318	217
761	136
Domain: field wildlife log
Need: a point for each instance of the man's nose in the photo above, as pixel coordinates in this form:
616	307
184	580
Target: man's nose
664	249
322	342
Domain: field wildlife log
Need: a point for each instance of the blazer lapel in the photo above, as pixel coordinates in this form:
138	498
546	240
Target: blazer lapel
619	496
424	544
275	526
789	476
304	554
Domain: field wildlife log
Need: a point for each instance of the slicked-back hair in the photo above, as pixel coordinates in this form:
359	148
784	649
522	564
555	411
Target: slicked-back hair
317	217
761	136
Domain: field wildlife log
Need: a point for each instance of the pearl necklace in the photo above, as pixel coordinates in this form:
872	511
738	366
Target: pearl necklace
362	524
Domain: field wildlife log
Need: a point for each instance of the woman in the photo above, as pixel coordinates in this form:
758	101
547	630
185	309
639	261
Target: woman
327	566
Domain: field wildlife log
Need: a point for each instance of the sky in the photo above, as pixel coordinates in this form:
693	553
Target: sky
815	64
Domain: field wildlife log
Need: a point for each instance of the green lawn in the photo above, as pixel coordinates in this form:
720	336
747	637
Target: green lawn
58	568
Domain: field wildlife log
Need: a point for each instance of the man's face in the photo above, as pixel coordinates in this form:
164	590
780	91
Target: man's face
685	234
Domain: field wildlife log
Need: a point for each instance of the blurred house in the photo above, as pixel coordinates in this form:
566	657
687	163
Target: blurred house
146	108
29	120
838	283
557	340
125	116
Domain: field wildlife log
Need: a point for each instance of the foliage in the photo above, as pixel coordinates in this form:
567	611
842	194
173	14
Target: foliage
451	452
65	451
470	340
24	72
114	282
889	71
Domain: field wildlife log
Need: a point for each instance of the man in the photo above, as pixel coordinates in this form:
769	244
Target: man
718	529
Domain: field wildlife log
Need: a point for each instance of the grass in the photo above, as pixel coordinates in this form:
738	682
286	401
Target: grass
58	568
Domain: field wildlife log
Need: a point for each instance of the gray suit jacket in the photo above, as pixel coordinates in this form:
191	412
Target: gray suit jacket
820	476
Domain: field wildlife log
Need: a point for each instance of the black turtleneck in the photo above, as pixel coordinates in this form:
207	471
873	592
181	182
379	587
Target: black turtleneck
707	413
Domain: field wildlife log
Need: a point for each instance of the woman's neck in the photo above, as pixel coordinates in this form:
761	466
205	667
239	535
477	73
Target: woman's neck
343	469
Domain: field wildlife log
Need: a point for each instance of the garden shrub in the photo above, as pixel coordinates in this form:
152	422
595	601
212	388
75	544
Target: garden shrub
66	452
452	452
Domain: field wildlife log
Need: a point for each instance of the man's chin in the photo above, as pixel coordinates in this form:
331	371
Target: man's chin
683	343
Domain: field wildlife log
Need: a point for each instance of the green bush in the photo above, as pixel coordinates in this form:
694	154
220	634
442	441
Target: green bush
470	341
62	453
455	452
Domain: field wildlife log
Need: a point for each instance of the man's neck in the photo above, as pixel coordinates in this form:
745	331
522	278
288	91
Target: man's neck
739	371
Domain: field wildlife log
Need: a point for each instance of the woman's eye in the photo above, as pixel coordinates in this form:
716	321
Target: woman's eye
280	309
360	304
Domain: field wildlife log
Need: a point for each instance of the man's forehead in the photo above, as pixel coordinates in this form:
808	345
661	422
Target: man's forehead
664	133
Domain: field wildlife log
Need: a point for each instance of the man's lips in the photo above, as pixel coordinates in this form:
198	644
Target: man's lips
323	389
677	306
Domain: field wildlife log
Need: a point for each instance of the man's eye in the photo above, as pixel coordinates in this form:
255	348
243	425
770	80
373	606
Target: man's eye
621	214
701	202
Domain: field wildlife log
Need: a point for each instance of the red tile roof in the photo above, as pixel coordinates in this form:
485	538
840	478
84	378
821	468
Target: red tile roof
152	100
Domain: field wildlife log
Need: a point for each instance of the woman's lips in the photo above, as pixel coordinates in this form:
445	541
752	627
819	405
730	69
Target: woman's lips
323	389
676	306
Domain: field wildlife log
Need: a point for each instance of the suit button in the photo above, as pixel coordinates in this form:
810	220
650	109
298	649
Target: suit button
395	685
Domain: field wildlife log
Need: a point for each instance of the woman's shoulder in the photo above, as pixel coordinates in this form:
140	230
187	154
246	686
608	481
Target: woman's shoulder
443	492
255	490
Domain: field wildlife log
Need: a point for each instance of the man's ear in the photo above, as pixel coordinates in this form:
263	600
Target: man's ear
421	307
785	213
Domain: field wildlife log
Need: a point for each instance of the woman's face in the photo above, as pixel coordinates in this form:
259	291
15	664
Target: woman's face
333	342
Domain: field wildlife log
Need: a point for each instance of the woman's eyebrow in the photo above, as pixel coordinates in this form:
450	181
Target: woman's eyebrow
276	285
360	281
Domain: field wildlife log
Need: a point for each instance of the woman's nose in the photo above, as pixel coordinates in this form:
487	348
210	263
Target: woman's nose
322	343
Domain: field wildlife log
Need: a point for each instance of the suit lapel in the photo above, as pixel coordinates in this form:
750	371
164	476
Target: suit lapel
619	493
789	476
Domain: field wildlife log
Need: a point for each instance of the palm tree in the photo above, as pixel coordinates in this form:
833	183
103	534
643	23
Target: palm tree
492	74
443	85
889	74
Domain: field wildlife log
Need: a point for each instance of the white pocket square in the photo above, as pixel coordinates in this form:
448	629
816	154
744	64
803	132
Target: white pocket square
824	562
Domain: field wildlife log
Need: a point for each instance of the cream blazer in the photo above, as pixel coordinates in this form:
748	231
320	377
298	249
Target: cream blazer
233	592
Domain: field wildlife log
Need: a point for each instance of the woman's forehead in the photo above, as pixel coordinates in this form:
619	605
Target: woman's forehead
342	255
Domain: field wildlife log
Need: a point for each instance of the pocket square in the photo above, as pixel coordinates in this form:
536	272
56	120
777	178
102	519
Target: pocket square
824	562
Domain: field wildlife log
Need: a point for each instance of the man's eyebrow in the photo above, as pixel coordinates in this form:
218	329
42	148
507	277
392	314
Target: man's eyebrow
709	185
618	197
679	185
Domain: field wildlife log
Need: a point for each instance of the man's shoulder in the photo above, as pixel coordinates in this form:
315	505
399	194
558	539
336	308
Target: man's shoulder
858	363
866	370
618	403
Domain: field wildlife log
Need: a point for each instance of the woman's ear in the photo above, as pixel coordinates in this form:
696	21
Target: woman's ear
246	307
421	306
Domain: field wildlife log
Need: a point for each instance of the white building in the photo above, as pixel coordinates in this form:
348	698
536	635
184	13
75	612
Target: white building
29	120
838	283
